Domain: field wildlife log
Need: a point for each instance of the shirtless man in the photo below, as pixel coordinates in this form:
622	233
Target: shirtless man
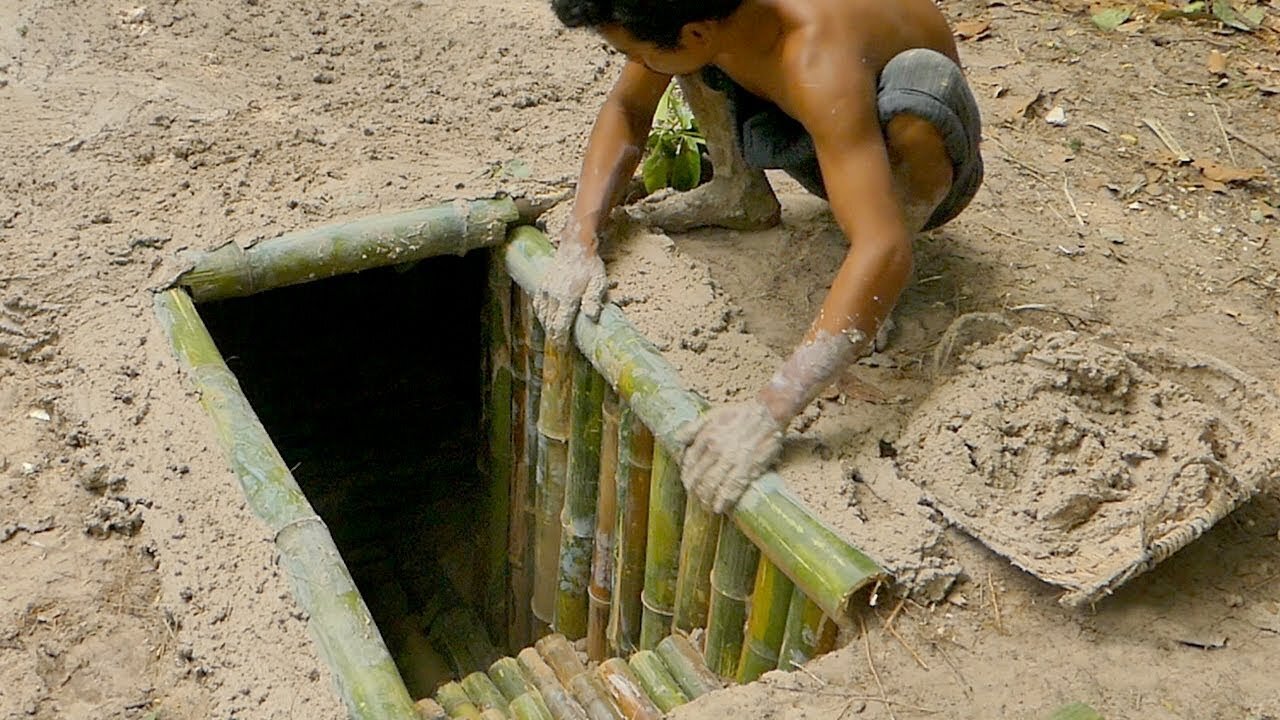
861	101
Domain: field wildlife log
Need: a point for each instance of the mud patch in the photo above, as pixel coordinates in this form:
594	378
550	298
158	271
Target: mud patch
1087	464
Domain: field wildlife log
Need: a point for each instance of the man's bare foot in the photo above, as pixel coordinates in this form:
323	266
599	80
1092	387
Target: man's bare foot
738	203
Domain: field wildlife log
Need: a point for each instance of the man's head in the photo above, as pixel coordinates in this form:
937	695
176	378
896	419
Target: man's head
670	36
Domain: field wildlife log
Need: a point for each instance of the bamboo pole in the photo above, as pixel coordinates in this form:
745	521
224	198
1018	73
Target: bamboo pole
624	687
456	702
557	698
766	622
458	635
429	709
510	678
339	621
635	463
732	580
697	555
530	707
553	467
657	681
813	555
492	714
578	518
522	497
450	229
561	656
688	667
600	589
535	364
803	632
662	549
484	693
591	695
500	465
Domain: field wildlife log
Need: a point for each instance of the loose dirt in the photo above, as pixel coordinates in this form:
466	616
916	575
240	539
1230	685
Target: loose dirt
136	583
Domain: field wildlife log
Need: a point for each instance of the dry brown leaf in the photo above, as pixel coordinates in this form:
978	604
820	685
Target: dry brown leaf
1227	174
972	29
1217	63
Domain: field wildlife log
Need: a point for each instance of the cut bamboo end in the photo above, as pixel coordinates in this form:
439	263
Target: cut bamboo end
339	620
803	632
635	460
662	550
766	622
483	692
558	652
429	709
600	589
658	682
451	229
627	692
593	698
732	580
456	702
530	707
493	715
697	555
510	678
688	667
558	700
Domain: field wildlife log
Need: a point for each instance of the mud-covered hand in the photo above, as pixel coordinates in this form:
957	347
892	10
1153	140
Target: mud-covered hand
728	449
576	281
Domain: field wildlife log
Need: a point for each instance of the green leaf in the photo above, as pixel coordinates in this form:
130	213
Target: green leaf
1223	10
686	169
1112	18
656	170
1076	711
517	168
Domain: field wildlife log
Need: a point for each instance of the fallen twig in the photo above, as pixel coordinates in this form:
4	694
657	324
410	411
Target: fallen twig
1066	190
1226	139
995	604
866	645
1168	140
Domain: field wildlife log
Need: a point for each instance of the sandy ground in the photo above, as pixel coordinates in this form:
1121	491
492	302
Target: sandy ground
136	583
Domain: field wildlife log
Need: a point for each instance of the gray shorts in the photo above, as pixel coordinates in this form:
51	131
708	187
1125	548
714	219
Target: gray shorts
921	82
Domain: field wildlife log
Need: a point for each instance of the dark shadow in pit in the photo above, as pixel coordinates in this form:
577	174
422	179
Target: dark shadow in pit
370	385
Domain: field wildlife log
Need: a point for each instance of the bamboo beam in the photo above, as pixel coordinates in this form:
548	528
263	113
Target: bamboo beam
522	492
662	549
732	580
450	229
499	464
510	678
578	518
697	555
765	623
600	589
535	364
635	463
803	632
658	682
339	621
688	667
812	554
553	469
624	687
558	699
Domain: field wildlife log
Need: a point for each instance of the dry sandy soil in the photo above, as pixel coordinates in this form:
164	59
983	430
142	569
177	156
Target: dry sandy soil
137	585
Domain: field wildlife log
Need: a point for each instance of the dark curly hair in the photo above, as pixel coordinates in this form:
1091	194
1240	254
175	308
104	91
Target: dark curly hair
655	21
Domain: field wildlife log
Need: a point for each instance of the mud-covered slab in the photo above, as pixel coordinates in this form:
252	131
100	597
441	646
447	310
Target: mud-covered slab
1084	463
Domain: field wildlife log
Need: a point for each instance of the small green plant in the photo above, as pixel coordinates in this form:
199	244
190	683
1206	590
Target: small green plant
22	30
674	147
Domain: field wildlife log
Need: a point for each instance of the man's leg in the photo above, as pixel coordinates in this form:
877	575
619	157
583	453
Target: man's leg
737	197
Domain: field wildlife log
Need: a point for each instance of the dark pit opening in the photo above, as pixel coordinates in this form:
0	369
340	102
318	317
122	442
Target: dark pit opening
370	386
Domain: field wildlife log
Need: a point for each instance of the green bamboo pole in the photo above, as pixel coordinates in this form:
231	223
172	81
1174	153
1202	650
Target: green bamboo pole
803	632
483	692
458	635
600	589
697	555
535	336
657	681
500	464
510	678
553	450
1076	711
591	695
557	698
451	229
687	666
813	555
635	463
624	687
339	621
732	580
766	622
530	707
456	702
492	714
662	549
578	519
522	496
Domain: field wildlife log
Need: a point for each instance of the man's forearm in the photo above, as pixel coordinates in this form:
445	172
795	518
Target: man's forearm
613	152
813	366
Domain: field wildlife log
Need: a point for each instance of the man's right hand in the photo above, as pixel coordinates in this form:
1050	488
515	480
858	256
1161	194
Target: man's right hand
576	281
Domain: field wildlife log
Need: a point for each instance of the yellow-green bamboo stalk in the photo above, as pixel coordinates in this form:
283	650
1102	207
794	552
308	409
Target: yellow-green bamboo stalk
553	468
339	621
812	554
523	495
600	589
662	550
697	555
732	580
510	678
766	622
635	462
578	519
492	714
802	634
535	364
657	681
452	229
429	709
483	692
624	687
1076	711
591	695
688	667
499	462
458	635
530	707
560	655
456	702
557	698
